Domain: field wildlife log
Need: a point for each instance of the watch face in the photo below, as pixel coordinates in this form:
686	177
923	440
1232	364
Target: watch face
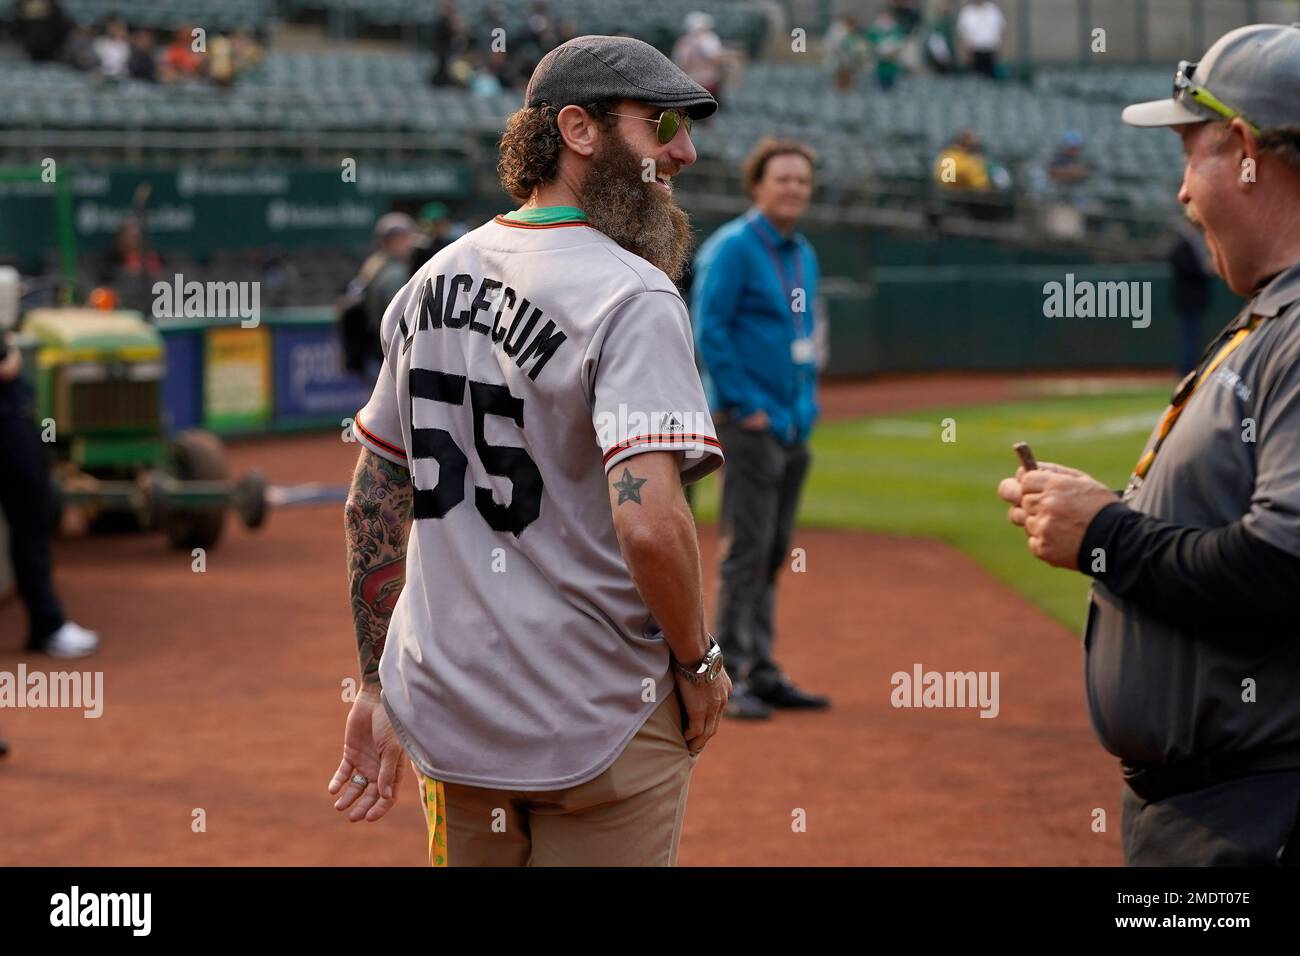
714	667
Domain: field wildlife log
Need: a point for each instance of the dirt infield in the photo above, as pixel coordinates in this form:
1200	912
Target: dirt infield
222	694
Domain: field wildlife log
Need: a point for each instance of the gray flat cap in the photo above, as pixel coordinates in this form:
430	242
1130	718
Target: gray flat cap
1254	70
591	68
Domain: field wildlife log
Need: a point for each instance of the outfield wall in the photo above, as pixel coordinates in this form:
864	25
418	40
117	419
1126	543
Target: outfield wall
951	318
286	374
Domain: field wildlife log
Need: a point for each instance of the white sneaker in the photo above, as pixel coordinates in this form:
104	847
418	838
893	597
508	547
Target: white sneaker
71	640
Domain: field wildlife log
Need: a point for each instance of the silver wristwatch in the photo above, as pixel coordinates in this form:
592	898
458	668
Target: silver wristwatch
707	669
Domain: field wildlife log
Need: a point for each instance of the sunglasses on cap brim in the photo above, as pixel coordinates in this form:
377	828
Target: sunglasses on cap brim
1199	99
669	122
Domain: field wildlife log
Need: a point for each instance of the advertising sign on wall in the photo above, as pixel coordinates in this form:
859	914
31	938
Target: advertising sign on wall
237	378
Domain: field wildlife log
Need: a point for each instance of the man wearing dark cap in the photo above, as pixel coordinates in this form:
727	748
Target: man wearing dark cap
1190	654
389	268
539	650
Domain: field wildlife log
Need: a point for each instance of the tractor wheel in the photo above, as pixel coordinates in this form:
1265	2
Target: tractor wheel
250	498
196	455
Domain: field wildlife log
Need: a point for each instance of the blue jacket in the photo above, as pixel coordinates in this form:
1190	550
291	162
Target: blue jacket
746	327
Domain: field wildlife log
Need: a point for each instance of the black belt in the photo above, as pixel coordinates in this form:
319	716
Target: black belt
1157	781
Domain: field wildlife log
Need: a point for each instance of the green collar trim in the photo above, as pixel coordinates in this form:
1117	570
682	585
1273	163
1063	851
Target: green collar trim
548	215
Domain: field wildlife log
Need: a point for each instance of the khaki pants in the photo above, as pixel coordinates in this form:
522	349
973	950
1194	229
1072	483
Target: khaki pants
629	815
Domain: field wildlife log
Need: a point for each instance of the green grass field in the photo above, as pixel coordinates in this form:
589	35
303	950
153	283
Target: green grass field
895	474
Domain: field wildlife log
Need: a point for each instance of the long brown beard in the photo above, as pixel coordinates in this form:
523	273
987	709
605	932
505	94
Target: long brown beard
632	212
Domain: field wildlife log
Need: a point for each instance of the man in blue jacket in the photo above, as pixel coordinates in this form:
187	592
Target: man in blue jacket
755	282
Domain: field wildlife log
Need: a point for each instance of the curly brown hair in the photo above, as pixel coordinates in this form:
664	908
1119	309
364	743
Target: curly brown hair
531	145
755	164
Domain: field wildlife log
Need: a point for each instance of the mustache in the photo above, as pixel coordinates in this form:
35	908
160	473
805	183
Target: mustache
1192	216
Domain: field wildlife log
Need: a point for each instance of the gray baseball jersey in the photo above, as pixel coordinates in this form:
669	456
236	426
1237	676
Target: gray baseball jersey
1156	692
522	364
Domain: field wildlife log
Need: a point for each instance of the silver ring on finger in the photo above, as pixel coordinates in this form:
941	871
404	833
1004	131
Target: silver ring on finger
361	780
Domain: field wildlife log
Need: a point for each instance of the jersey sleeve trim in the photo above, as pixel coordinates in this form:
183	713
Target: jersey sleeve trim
380	446
706	447
668	440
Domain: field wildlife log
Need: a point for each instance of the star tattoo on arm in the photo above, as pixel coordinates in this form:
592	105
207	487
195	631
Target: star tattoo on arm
629	487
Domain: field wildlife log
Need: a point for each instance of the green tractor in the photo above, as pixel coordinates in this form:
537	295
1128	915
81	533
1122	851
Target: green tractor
98	379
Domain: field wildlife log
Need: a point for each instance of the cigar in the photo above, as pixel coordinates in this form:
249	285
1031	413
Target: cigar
1026	456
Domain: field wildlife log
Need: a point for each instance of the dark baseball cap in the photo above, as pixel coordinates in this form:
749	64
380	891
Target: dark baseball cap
591	68
1254	70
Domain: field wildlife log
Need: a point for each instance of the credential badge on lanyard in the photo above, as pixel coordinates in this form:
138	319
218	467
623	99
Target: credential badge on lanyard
803	351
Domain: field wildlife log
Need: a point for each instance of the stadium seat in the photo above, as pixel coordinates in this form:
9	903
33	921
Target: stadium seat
892	137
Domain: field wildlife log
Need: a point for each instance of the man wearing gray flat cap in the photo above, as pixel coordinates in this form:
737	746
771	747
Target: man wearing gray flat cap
539	651
1191	657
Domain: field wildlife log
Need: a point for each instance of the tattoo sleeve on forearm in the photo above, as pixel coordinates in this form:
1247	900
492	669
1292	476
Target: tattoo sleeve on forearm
376	519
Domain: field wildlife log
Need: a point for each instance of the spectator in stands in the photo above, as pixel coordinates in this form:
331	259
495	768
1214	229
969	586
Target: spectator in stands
541	34
434	235
486	78
1067	167
79	51
1190	289
450	43
887	38
980	28
846	50
230	56
907	14
143	62
962	165
221	61
41	28
248	52
975	185
1058	182
385	272
699	53
755	285
113	49
540	28
941	38
180	60
494	68
25	500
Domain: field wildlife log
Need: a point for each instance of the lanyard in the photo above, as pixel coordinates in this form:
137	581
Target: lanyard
1183	395
800	326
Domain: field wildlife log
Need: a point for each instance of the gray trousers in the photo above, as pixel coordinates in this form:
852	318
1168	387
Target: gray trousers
760	495
1251	821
